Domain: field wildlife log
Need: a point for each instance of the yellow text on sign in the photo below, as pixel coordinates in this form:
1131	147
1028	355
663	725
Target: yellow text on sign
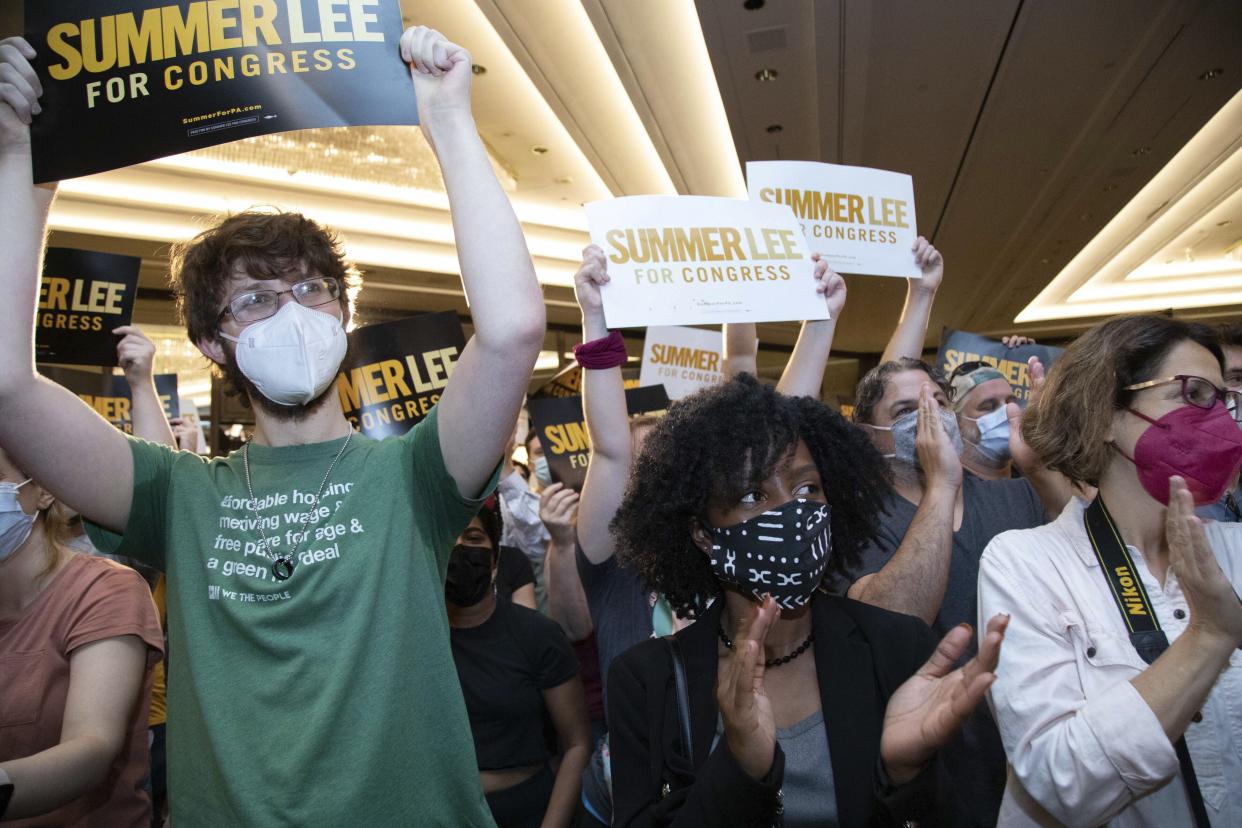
392	379
116	41
58	293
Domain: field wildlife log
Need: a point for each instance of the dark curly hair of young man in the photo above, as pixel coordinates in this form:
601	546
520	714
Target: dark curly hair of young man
715	446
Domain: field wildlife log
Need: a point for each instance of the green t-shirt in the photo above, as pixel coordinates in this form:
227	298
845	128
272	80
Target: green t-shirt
330	698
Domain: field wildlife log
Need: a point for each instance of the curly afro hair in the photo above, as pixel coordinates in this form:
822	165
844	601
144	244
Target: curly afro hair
714	446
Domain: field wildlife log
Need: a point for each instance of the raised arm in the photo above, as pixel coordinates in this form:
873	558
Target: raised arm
93	473
608	424
741	349
567	603
915	577
482	399
804	373
911	332
136	354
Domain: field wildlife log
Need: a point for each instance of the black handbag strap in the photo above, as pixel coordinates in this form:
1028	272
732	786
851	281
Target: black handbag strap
682	694
1145	633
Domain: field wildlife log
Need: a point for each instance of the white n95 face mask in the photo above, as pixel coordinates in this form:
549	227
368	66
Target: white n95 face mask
15	524
292	356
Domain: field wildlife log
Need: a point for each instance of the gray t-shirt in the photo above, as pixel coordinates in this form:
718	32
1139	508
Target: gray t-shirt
989	508
808	788
976	756
620	609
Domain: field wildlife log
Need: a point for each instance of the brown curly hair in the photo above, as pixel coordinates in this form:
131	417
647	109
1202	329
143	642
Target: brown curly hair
263	244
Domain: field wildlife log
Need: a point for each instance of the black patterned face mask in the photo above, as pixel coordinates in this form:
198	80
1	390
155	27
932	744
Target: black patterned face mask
782	552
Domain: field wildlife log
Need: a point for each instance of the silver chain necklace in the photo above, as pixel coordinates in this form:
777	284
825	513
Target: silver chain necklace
283	563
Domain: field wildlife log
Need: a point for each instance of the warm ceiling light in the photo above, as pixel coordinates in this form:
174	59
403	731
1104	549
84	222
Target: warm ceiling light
765	75
1137	262
478	69
564	179
773	129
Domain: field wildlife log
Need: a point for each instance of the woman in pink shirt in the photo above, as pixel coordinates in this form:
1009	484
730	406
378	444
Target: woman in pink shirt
79	638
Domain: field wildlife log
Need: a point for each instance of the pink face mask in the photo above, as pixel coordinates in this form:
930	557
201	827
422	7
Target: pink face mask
1203	445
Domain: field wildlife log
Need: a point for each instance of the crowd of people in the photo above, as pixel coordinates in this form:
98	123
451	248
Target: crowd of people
946	609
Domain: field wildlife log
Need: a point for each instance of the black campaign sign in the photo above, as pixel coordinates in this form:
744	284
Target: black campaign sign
958	347
110	394
395	372
83	296
562	431
126	81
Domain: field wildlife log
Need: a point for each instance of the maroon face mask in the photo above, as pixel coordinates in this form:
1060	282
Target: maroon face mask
1203	445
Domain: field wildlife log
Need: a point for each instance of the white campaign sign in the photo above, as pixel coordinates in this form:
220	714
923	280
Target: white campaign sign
682	359
693	260
861	220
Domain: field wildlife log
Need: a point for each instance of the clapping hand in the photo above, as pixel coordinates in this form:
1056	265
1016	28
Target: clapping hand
931	704
750	727
1214	606
938	457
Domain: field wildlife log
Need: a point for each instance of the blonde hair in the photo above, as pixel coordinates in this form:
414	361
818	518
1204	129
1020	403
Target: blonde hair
58	523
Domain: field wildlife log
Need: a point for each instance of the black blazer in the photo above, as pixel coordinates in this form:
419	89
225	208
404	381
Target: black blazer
862	655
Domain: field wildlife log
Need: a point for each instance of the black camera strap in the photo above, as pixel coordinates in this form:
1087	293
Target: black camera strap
1145	633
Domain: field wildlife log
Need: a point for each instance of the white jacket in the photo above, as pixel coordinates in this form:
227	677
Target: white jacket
1084	748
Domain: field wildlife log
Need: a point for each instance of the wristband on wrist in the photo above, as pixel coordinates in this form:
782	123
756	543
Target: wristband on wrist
605	352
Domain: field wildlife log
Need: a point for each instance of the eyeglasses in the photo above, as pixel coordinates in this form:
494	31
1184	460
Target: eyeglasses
1198	392
260	304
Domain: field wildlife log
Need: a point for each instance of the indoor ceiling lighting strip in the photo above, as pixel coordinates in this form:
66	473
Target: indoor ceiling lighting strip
1197	179
528	213
661	45
564	53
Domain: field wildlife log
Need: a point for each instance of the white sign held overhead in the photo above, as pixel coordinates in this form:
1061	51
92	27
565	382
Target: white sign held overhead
861	220
692	260
683	360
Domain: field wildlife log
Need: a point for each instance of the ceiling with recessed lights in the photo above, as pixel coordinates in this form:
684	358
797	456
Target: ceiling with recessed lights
1050	144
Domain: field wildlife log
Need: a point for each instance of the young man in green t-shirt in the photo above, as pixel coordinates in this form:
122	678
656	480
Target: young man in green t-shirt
312	681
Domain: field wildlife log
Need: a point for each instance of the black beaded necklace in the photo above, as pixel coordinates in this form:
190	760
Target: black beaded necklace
775	662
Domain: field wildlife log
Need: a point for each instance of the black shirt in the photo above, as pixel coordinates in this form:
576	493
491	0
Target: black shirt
513	571
504	665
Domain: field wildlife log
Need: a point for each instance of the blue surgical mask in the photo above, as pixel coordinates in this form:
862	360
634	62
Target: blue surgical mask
993	436
542	473
15	524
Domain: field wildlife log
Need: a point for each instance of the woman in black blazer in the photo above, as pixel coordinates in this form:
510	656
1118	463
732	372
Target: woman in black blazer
803	708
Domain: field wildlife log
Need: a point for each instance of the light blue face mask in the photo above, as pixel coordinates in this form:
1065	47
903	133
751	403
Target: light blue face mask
15	524
542	473
905	430
993	436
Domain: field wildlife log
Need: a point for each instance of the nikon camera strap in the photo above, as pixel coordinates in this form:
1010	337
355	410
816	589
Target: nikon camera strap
1145	633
